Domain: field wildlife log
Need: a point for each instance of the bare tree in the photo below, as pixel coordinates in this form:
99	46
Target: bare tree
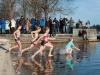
36	7
7	8
58	6
4	9
23	7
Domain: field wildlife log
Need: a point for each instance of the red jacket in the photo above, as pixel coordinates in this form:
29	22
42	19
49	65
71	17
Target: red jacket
84	32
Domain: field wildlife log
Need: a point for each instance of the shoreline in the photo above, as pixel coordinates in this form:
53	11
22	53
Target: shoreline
6	67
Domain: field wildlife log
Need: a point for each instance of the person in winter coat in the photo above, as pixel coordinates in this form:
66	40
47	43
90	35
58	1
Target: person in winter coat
33	23
57	25
54	27
3	25
0	27
22	23
42	25
7	27
61	25
71	25
17	23
13	25
27	26
65	27
84	34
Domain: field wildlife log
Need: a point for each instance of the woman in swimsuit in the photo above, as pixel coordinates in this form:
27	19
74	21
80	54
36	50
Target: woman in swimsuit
17	40
35	36
45	43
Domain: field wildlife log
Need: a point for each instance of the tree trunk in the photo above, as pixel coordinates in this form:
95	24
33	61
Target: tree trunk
24	9
10	11
46	9
24	13
46	15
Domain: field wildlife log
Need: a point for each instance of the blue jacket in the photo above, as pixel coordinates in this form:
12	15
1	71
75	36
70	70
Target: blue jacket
3	24
41	22
33	21
0	23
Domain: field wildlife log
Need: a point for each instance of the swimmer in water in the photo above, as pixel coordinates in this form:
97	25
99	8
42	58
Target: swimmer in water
70	46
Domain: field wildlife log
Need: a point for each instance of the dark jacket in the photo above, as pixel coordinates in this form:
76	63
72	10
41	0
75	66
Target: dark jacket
57	23
22	21
65	21
47	23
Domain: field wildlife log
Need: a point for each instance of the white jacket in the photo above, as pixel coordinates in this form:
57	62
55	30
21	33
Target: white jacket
13	23
7	25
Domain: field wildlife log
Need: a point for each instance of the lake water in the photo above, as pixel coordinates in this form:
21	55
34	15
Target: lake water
83	62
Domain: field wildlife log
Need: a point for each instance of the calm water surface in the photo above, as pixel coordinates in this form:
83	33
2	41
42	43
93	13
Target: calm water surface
83	62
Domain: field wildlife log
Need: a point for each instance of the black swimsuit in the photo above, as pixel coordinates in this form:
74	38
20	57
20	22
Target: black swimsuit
17	39
44	42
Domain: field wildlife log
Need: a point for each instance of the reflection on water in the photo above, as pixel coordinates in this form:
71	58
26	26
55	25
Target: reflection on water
83	62
42	66
69	61
84	53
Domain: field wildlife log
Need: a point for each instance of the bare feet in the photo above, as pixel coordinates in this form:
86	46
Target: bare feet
8	50
50	55
41	53
21	52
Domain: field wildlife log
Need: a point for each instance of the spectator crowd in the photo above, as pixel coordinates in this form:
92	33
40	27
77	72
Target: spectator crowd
62	26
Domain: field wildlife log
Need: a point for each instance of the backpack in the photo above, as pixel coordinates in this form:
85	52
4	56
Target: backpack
79	33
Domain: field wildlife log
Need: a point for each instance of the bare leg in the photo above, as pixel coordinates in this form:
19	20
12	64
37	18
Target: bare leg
69	51
51	47
38	45
50	63
20	45
31	46
39	48
39	51
13	47
50	51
